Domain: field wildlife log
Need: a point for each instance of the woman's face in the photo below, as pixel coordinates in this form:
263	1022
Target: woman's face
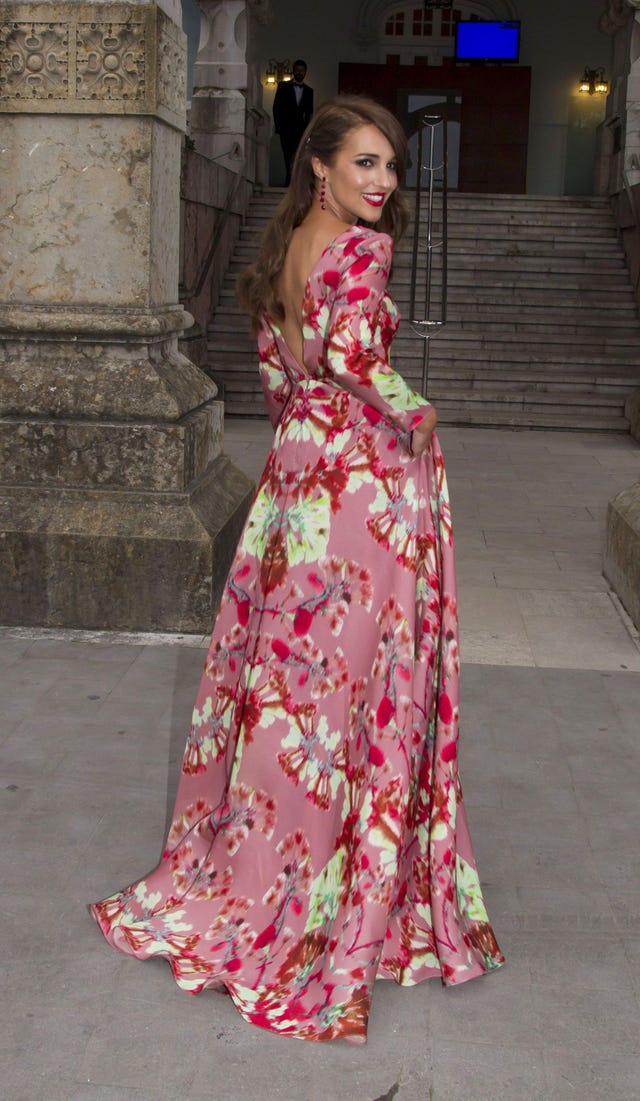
362	176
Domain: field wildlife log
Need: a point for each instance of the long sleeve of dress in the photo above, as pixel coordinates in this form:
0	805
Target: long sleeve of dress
276	387
355	345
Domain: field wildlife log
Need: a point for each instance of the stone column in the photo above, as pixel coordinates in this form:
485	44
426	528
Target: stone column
117	507
227	121
218	103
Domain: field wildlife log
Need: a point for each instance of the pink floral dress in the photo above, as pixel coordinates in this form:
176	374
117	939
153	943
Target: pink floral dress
319	838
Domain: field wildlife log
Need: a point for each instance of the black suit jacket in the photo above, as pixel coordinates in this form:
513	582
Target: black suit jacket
289	118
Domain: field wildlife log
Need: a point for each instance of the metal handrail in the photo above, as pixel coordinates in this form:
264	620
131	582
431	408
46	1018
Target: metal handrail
630	199
217	235
634	216
426	326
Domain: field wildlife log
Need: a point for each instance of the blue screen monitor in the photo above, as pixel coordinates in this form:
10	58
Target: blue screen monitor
487	41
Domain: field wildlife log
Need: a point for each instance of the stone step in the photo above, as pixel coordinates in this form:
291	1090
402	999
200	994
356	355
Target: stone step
453	356
567	205
576	372
556	373
505	301
549	354
481	387
582	339
475	375
535	400
497	259
459	412
465	301
470	226
556	345
451	363
471	347
537	314
524	203
481	417
620	304
474	391
503	324
478	278
480	200
561	421
494	240
612	278
564	392
459	233
460	204
473	219
465	221
244	378
580	281
475	273
535	220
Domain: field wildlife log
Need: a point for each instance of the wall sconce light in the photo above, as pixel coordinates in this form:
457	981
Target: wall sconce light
277	71
593	83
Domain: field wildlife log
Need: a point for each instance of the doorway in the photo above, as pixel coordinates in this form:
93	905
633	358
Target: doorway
490	104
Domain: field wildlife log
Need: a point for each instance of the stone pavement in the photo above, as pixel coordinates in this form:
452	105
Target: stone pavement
91	734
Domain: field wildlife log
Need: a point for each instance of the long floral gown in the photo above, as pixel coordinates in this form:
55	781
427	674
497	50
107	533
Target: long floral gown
319	838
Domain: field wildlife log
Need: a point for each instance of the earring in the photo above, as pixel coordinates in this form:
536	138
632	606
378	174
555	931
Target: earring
323	191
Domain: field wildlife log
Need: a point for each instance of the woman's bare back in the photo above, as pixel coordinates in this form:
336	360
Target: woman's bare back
308	242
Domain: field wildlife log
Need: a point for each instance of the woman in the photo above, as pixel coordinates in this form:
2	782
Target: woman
319	838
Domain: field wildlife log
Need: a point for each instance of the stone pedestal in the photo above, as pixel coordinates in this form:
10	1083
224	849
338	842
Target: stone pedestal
632	413
117	506
622	549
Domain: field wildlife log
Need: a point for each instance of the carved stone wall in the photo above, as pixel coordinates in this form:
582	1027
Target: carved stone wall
92	59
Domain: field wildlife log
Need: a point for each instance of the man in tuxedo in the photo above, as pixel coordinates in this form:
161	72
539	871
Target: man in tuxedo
292	109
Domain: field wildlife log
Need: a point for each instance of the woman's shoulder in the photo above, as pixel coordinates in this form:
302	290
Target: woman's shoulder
366	237
359	242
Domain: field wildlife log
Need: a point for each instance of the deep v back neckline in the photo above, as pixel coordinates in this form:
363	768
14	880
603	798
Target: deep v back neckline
275	328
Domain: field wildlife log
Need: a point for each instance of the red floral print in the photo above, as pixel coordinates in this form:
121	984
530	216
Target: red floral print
319	837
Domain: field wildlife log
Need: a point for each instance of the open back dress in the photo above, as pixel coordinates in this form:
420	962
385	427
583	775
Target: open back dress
319	839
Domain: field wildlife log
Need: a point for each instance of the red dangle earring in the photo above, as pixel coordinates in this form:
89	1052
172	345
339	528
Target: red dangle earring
323	191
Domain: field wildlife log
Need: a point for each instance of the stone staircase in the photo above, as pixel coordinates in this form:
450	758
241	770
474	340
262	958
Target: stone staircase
542	328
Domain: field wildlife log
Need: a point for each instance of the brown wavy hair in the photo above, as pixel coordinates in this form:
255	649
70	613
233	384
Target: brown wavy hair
323	138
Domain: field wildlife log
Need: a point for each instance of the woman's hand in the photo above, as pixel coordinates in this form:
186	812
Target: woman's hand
421	436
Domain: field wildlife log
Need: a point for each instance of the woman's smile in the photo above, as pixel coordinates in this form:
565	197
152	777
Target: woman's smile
376	199
362	176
